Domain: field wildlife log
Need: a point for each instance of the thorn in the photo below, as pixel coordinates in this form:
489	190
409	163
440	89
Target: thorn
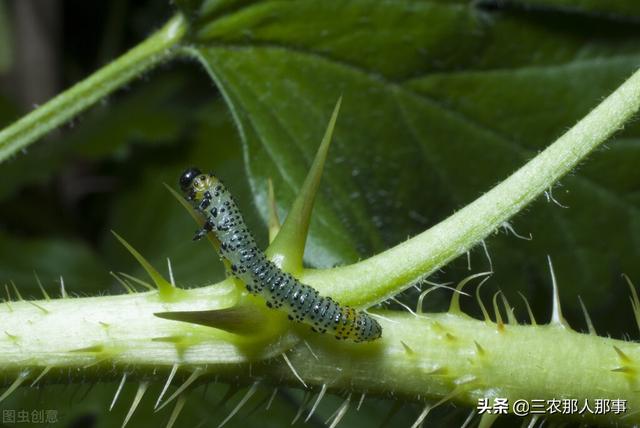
274	221
422	416
303	405
257	406
244	399
242	319
176	410
63	292
339	414
6	289
623	357
469	419
273	396
587	318
126	286
438	371
549	194
295	373
507	226
511	318
8	305
137	281
404	306
360	402
499	322
480	350
457	391
22	376
407	349
389	320
40	376
192	378
165	289
171	279
15	289
486	253
142	388
487	319
487	420
310	350
526	303
174	369
468	260
318	399
635	302
533	421
90	349
454	307
290	242
44	310
624	369
556	316
430	289
44	292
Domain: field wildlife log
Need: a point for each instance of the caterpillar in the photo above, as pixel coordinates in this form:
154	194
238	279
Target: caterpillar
281	290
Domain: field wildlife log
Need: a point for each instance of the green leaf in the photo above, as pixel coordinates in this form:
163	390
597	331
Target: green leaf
441	101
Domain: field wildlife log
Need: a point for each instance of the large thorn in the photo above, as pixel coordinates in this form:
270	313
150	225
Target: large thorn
165	289
238	319
454	307
288	245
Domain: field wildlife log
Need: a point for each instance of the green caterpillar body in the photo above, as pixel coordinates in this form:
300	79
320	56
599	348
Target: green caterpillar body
261	276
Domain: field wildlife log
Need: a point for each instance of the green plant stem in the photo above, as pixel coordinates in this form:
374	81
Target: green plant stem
390	272
423	357
79	97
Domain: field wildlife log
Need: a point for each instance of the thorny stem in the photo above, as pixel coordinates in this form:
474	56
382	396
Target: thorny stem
68	104
386	274
425	356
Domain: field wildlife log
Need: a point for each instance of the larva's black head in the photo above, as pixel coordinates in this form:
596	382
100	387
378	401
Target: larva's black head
187	177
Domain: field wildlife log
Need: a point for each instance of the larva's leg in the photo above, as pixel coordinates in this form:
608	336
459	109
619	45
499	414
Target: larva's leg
201	233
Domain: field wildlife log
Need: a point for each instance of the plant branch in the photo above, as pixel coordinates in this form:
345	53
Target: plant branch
420	357
390	272
84	94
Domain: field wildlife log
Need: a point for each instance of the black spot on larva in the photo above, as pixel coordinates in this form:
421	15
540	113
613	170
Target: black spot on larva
249	264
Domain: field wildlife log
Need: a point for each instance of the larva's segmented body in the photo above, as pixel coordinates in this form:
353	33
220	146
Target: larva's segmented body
262	277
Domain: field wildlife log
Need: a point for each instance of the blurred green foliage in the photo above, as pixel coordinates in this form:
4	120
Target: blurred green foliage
442	99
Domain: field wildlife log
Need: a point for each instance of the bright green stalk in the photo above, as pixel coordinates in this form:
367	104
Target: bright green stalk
68	104
422	357
392	271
